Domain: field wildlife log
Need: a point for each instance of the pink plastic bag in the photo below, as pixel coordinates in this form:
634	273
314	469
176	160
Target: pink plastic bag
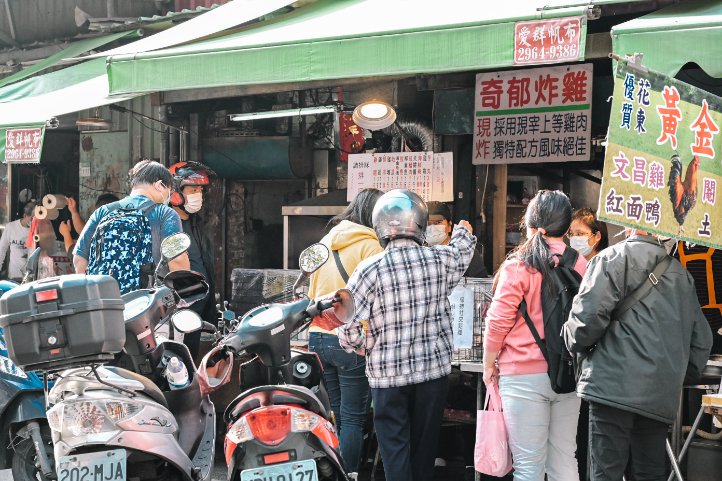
491	453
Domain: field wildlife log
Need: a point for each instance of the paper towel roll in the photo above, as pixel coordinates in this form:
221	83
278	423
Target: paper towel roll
55	201
49	214
36	238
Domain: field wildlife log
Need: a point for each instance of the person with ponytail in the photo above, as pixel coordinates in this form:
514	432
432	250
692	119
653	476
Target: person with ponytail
542	424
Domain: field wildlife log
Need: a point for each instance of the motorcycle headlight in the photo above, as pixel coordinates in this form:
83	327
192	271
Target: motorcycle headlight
82	417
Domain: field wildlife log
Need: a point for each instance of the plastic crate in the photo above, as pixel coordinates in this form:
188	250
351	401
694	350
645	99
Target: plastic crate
482	299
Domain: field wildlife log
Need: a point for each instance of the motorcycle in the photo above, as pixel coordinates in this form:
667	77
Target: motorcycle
23	421
124	419
281	425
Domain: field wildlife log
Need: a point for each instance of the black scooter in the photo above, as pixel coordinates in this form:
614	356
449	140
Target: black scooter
281	425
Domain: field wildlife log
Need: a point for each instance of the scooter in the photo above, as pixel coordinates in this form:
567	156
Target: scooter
281	426
124	420
23	421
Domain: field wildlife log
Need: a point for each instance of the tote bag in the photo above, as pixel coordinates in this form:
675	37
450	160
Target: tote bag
491	452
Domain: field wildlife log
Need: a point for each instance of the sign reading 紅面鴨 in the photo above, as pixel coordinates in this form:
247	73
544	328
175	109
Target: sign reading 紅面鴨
533	115
663	165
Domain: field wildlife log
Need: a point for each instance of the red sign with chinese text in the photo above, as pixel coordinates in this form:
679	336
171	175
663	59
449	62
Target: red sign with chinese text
548	41
352	136
23	145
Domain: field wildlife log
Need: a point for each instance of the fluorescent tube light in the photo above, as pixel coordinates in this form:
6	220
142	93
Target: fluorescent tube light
272	114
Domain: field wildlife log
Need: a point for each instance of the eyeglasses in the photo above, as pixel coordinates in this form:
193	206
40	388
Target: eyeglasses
579	234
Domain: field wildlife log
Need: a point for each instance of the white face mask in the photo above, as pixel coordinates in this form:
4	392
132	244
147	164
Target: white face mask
436	234
580	243
194	202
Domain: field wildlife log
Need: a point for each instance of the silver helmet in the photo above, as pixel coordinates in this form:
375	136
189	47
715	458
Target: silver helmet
400	214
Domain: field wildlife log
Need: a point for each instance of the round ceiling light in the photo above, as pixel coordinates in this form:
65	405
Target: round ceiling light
374	115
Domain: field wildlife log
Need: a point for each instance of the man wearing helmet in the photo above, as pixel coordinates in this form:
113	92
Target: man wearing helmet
190	178
403	325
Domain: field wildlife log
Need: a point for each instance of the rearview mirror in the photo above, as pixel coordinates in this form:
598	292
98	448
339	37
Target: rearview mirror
186	321
313	257
174	245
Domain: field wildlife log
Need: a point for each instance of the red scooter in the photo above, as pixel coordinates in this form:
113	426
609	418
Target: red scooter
281	426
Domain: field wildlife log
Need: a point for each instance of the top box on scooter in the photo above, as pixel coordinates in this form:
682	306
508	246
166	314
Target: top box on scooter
56	323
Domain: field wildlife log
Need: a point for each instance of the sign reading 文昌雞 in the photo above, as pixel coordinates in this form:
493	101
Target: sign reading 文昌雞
533	115
662	165
23	145
548	41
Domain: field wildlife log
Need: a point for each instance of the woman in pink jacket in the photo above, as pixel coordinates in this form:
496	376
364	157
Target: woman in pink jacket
542	424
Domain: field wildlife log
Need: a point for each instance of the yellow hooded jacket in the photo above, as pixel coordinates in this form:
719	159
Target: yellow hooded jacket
354	243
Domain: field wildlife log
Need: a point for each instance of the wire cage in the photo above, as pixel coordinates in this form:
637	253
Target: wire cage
482	299
251	288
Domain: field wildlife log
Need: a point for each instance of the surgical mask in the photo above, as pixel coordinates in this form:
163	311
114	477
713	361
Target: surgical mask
166	201
194	202
435	234
580	243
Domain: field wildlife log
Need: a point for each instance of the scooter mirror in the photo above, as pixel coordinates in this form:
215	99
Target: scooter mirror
186	321
345	308
313	257
32	265
174	245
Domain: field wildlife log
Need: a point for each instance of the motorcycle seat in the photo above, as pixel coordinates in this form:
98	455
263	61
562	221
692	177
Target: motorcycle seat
149	387
269	395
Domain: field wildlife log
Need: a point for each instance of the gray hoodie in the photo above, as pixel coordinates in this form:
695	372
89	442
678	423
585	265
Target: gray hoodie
640	361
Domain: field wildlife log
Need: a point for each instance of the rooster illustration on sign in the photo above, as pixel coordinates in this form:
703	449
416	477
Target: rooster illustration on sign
683	192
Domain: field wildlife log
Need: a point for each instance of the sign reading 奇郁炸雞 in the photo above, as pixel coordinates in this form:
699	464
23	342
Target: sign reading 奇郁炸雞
533	115
662	163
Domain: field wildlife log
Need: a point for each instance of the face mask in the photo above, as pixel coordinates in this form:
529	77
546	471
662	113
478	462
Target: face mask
167	199
580	243
194	202
435	234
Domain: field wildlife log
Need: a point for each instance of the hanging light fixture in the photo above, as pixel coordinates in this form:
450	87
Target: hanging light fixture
374	115
272	114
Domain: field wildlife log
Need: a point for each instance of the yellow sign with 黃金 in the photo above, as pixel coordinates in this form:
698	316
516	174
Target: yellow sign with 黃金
662	168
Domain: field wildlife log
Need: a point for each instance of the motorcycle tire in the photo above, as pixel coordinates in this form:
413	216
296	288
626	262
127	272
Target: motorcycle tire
25	464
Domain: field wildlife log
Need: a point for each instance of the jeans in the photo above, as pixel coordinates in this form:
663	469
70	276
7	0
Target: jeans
348	391
542	427
407	421
615	434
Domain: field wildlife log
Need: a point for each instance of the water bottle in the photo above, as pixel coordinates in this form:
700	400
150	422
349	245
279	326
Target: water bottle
176	374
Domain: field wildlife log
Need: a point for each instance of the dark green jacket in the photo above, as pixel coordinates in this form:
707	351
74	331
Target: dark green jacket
639	362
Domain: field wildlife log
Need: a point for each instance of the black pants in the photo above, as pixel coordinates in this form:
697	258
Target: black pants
617	434
407	421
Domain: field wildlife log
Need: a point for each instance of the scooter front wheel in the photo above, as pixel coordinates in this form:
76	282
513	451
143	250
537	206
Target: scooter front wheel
25	465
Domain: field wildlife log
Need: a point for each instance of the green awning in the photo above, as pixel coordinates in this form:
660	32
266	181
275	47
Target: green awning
32	102
334	39
76	48
673	36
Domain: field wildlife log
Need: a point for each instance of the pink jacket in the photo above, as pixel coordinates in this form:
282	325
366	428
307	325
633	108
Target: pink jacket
506	330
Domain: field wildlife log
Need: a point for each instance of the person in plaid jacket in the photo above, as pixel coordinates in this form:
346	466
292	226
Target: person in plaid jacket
403	325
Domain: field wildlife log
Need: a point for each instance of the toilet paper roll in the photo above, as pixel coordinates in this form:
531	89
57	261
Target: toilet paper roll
55	201
48	214
36	238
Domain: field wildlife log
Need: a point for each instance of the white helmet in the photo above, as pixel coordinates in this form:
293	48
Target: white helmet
400	214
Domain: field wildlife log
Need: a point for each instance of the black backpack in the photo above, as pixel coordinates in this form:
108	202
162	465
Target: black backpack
556	307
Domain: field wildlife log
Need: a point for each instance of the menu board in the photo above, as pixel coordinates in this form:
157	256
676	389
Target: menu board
429	174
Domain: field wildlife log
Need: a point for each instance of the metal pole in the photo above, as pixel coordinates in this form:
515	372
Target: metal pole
688	441
672	460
